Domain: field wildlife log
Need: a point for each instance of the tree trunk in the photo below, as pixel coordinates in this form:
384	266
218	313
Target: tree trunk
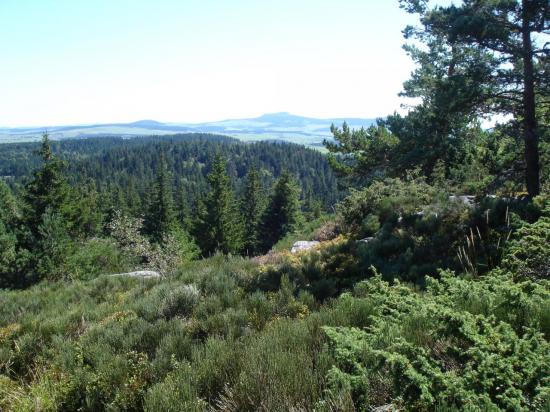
530	135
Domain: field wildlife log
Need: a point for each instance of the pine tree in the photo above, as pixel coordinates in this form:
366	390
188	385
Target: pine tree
8	240
161	217
252	206
184	214
84	215
282	214
219	225
9	211
47	190
488	57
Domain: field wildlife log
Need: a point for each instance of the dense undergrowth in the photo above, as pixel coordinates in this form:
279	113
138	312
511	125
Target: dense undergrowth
233	334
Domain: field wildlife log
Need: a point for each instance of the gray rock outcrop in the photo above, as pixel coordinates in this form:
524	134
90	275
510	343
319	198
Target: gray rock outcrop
142	274
302	245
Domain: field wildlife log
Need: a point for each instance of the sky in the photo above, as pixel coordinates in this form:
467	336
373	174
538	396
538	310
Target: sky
82	62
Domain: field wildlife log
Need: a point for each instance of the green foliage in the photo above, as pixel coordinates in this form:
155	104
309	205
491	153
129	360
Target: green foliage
282	214
177	392
124	170
174	249
83	212
126	344
94	257
306	230
482	57
48	189
7	249
219	226
528	254
473	60
161	217
442	347
387	200
361	155
180	302
54	246
9	211
252	206
411	229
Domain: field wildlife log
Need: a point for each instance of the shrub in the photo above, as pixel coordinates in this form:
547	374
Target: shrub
528	254
180	302
178	392
327	231
94	257
388	200
166	257
441	348
281	370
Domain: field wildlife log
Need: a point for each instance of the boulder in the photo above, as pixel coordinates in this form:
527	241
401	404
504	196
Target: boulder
302	245
466	199
142	274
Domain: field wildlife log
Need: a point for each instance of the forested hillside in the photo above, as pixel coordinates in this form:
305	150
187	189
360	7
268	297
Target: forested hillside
157	274
126	168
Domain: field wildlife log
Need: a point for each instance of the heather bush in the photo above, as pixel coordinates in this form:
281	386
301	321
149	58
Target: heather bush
180	301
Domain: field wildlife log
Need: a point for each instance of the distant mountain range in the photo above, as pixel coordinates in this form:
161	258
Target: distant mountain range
275	126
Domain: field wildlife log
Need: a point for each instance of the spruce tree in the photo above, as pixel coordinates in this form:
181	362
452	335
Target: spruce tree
161	217
219	225
47	190
252	206
8	240
282	214
9	211
184	213
8	255
85	218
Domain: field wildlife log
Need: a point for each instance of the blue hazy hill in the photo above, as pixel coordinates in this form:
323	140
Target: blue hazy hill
272	126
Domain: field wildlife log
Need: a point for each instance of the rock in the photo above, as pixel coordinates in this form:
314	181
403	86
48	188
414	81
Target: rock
302	245
466	199
143	274
365	240
384	408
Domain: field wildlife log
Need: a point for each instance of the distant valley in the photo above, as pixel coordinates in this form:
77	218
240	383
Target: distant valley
275	126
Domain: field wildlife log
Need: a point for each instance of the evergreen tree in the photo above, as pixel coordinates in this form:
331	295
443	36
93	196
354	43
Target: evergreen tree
8	255
282	214
84	215
219	226
47	190
161	217
360	155
9	212
253	205
8	240
53	247
184	214
485	56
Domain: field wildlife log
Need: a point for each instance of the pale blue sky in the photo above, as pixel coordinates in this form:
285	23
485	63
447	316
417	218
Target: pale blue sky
77	61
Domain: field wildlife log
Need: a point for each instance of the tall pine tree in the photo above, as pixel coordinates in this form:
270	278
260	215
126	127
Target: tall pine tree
161	217
8	240
494	60
282	214
46	191
219	225
252	206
